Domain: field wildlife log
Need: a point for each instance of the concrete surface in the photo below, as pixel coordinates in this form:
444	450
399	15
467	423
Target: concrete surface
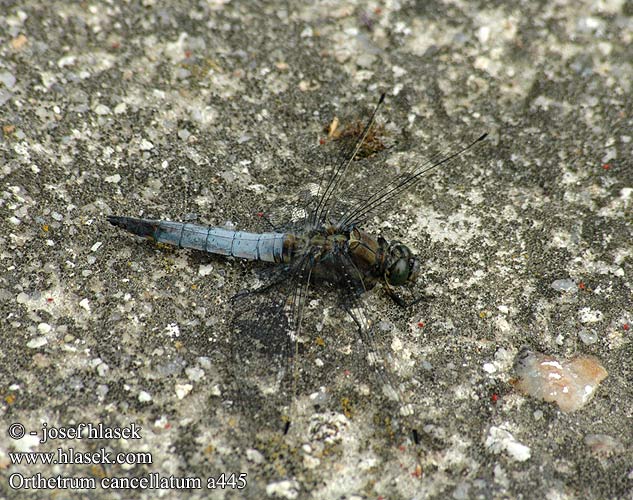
216	108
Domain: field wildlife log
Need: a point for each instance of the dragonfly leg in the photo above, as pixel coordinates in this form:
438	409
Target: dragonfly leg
416	437
400	301
269	222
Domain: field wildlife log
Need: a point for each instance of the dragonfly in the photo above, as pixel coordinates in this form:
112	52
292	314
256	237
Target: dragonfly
324	247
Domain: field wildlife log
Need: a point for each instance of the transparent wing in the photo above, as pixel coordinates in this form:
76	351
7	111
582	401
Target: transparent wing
372	341
265	330
325	181
374	345
330	199
411	175
352	191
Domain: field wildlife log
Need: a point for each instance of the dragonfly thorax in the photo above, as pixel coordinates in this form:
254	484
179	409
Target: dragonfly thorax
379	260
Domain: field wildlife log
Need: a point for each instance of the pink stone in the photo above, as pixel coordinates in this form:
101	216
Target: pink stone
569	383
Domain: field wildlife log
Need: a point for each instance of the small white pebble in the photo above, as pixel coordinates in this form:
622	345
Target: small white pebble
7	79
588	336
96	246
406	410
194	373
501	476
172	330
396	344
285	489
204	362
66	61
564	285
483	34
44	328
27	443
120	108
254	456
161	422
102	109
36	342
94	362
102	369
113	179
518	451
499	440
144	396
398	71
310	462
490	368
426	365
205	270
588	315
182	390
146	145
504	357
85	304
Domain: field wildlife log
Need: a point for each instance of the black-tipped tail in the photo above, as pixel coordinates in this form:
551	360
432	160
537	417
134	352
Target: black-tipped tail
141	227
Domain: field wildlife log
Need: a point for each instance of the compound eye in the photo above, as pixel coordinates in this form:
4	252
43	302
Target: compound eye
398	274
414	269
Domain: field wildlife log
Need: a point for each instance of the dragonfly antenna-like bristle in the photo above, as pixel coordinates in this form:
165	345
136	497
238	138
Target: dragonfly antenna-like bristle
405	180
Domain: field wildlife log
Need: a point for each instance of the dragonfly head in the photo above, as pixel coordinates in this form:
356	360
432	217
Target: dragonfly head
401	265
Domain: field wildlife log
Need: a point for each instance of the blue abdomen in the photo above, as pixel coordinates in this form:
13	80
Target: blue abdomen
268	247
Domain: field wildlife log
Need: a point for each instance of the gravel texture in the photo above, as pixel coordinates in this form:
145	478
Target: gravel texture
217	108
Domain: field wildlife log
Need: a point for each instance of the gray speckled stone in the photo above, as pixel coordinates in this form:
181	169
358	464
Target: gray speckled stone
166	109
